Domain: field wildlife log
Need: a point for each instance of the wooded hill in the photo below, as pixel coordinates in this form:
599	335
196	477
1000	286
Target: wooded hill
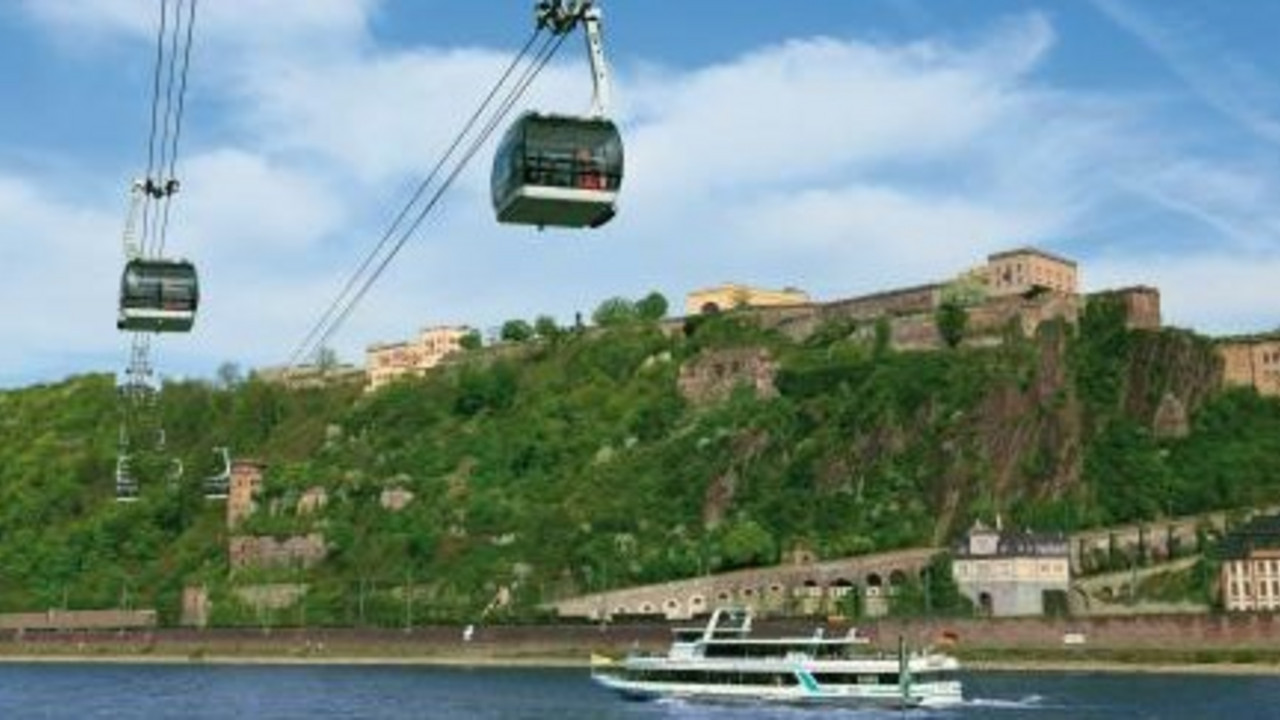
571	462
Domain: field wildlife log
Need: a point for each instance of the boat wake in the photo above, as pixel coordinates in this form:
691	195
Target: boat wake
687	709
1027	703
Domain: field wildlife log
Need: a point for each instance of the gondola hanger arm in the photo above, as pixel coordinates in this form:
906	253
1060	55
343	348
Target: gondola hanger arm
561	17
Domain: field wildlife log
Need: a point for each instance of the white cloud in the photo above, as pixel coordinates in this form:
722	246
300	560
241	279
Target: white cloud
1211	291
247	206
61	276
1229	84
836	165
261	25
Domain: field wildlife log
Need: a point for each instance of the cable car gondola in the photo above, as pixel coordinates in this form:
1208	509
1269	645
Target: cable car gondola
562	170
558	170
158	296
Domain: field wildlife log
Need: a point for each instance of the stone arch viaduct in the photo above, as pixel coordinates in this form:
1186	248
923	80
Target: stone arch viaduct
805	588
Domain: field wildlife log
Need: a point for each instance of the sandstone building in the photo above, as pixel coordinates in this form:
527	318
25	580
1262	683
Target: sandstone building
310	376
1250	574
1017	272
732	295
1011	573
388	361
1252	361
246	481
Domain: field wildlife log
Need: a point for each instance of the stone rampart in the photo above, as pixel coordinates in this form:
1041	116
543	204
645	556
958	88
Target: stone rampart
787	589
264	551
713	376
56	619
1158	538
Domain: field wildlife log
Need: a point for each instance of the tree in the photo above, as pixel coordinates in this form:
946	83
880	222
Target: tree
745	543
471	341
516	331
229	375
614	312
546	328
652	307
952	319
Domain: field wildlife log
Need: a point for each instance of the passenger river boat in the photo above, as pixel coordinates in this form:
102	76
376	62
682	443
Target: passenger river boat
722	662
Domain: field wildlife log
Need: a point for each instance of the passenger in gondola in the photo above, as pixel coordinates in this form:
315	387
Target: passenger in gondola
588	171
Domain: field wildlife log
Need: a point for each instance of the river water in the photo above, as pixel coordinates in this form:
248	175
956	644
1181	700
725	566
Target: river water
243	692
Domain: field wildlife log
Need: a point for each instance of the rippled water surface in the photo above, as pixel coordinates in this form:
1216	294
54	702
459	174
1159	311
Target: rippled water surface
194	691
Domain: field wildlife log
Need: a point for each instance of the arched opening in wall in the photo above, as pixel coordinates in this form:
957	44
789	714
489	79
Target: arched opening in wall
647	609
897	579
723	597
875	585
810	588
840	588
621	610
986	607
697	605
776	589
748	593
709	308
671	608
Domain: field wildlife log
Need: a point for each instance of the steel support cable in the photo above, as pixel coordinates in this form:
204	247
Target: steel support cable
151	139
554	43
166	133
177	120
301	350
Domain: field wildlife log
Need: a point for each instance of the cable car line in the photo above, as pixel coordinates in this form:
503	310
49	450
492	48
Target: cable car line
155	108
177	118
303	346
492	125
156	294
561	170
329	323
545	54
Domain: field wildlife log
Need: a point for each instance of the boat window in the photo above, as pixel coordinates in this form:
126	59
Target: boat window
829	678
714	677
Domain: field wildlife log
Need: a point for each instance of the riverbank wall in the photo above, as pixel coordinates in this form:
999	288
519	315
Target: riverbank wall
1147	639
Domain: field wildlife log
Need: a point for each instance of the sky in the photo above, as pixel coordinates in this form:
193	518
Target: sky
846	148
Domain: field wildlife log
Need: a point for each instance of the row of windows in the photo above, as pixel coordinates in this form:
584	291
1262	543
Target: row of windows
1262	586
1004	567
769	679
1243	567
705	677
882	678
1018	273
748	650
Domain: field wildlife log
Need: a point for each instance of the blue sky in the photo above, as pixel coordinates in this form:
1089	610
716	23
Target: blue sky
842	147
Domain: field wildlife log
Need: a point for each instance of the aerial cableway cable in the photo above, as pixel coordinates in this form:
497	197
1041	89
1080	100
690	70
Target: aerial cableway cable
151	134
363	279
176	135
157	294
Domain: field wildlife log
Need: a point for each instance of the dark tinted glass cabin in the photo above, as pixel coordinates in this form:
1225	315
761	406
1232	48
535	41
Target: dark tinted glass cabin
553	151
159	285
149	288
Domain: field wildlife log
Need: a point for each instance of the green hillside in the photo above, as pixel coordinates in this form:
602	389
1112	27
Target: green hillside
571	462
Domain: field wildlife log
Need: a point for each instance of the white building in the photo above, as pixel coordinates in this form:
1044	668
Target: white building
1010	573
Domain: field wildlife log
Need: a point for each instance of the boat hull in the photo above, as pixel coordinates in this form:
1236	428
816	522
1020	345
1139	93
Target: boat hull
932	695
